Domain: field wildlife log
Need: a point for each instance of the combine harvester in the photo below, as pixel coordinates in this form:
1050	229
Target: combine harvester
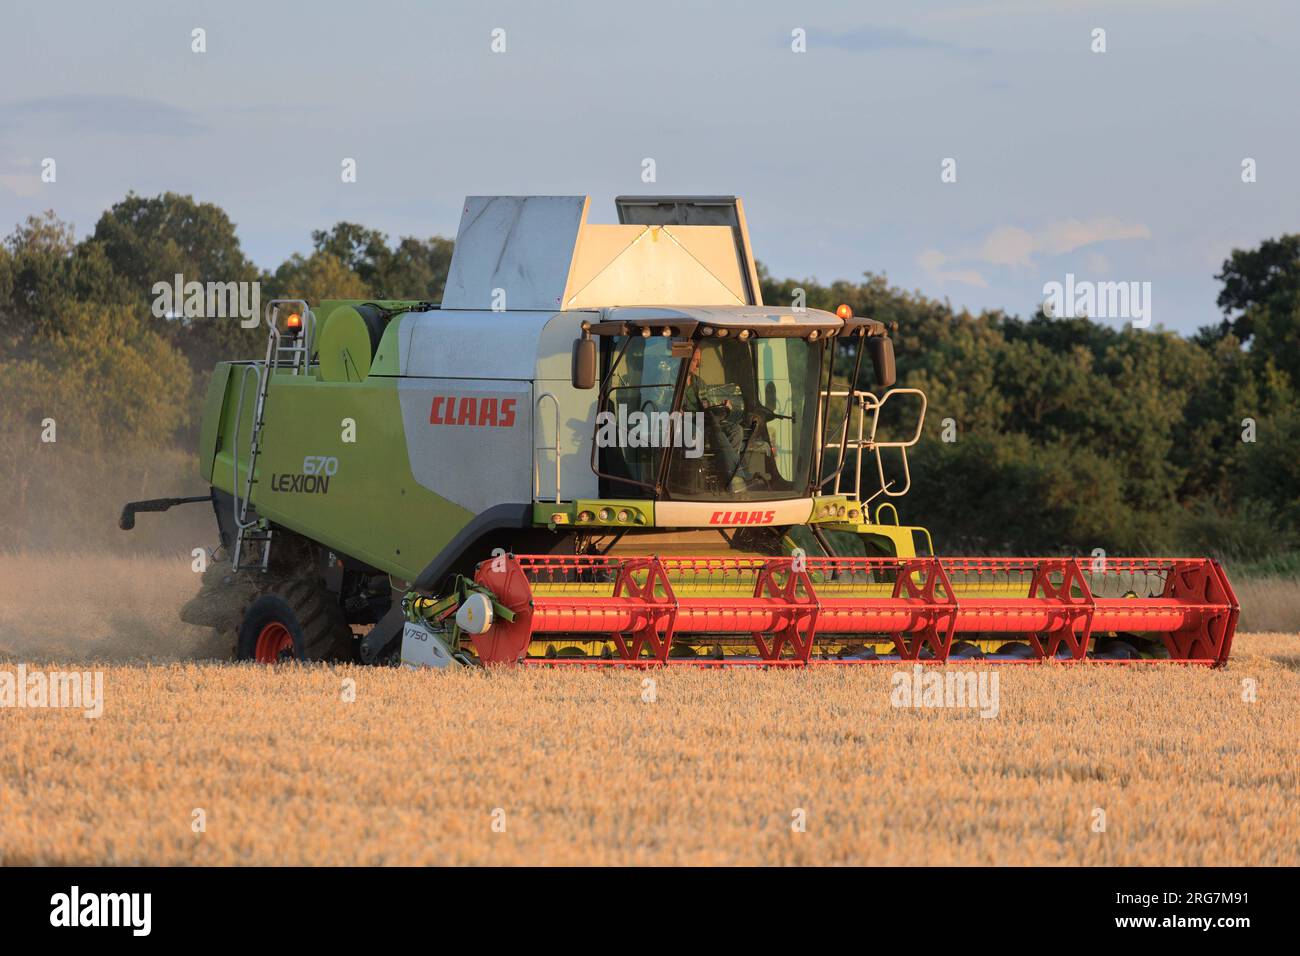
602	448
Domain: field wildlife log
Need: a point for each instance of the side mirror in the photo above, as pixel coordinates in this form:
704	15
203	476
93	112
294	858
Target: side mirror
882	359
584	363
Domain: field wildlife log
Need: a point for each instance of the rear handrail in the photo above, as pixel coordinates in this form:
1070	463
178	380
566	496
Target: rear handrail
537	466
241	508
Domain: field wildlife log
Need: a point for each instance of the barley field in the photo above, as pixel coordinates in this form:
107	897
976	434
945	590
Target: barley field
199	762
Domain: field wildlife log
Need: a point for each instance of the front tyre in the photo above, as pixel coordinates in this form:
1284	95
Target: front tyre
297	622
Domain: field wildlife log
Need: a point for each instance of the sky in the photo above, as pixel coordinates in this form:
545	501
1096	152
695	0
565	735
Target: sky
1124	165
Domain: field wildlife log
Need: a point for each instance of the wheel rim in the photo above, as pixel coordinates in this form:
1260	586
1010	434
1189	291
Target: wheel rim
274	644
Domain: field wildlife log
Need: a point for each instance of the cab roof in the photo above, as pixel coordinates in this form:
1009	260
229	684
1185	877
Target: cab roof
761	321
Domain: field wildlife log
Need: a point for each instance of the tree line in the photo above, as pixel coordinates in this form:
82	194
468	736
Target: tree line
1044	435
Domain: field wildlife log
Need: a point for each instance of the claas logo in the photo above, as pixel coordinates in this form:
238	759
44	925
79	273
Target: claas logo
742	517
473	411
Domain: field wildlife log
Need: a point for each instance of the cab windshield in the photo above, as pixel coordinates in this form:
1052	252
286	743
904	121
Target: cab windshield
734	418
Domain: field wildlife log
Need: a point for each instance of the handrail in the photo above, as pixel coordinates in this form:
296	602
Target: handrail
902	446
241	510
306	340
537	469
864	402
301	352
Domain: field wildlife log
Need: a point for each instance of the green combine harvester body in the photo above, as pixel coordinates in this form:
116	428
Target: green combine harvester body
602	446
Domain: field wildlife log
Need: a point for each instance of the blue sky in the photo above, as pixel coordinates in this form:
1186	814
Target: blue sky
1123	165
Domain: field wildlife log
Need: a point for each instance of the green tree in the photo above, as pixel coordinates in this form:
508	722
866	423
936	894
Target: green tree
414	269
107	380
1264	278
44	270
319	276
1261	302
361	250
149	240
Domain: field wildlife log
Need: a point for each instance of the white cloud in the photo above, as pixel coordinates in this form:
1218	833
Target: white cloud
1007	246
932	261
1016	247
21	184
964	276
1070	234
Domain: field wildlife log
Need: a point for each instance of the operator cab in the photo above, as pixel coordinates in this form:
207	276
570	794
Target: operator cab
713	404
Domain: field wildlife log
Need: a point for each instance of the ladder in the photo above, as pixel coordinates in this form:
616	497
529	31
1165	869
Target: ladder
290	354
